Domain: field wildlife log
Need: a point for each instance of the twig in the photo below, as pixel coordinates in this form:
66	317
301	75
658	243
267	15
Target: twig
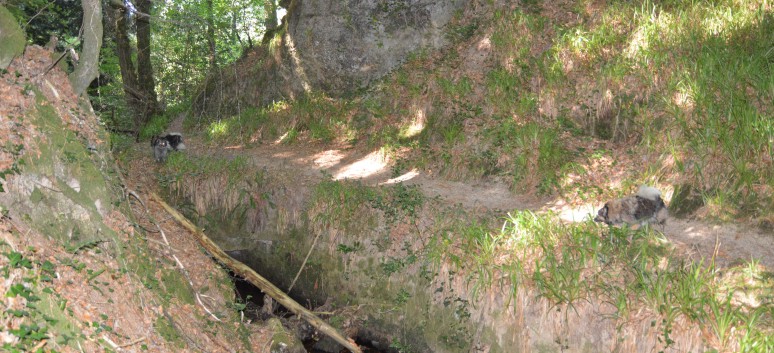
110	342
38	14
259	281
131	343
132	193
304	263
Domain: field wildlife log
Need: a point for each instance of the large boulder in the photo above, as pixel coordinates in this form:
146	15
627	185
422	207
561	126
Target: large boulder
345	45
332	46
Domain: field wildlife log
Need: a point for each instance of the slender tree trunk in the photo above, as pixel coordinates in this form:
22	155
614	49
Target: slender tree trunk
234	31
132	92
146	81
211	35
88	66
271	14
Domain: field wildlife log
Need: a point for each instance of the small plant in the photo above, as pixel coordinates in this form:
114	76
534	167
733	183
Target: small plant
401	347
346	249
391	266
156	126
402	297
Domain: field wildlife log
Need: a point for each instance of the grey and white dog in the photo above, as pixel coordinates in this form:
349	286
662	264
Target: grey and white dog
162	144
645	207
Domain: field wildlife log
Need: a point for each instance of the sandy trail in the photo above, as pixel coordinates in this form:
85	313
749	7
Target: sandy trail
729	243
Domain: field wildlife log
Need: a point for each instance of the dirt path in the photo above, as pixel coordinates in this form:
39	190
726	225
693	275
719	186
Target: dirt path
695	239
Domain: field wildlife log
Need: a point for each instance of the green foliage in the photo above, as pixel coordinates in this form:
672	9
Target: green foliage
343	200
346	249
156	126
576	262
241	128
179	165
180	45
36	314
392	266
42	19
340	201
398	201
401	347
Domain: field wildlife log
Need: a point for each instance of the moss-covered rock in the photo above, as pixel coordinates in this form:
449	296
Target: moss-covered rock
282	341
12	38
59	188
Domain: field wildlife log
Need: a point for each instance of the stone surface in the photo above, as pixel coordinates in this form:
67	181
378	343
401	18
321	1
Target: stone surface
333	46
12	39
345	45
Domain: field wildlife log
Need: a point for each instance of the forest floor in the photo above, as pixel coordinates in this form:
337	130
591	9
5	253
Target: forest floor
695	239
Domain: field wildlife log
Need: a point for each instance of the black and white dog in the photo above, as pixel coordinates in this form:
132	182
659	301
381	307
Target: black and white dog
162	144
645	207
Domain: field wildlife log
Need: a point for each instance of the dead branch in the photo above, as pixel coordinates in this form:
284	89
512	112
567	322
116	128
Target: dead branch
257	280
305	260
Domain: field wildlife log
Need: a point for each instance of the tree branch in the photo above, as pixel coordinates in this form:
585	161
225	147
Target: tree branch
253	277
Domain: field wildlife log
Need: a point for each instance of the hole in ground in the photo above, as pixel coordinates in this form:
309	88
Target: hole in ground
256	309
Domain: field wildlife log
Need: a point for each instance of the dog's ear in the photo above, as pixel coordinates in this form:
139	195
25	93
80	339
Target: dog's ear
601	215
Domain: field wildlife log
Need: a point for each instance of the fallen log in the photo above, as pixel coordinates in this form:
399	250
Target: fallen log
257	280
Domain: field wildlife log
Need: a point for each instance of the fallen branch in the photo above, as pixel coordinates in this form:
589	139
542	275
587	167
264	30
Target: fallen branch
257	280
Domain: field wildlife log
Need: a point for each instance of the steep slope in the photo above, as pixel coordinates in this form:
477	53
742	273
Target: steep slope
84	266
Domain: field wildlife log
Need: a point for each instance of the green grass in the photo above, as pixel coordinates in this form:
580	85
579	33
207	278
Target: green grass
690	88
579	262
156	126
180	164
340	203
241	128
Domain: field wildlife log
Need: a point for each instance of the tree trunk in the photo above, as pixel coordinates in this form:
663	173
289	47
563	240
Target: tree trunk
271	14
211	35
88	67
132	92
144	68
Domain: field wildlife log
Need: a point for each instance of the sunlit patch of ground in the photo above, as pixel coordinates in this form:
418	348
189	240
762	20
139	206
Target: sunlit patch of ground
371	164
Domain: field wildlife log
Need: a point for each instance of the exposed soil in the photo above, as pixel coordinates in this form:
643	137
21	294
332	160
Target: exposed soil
108	300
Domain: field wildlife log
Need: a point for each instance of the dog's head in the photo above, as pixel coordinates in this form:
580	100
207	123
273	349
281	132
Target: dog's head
602	215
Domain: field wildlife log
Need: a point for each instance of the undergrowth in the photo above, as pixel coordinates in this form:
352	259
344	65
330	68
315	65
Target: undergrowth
28	282
683	86
628	269
339	203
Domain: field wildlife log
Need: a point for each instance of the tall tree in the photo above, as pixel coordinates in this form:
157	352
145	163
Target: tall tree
144	66
87	69
271	14
132	93
139	85
213	57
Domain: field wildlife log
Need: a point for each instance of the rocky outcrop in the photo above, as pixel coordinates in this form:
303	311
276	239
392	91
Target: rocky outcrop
345	45
332	46
55	173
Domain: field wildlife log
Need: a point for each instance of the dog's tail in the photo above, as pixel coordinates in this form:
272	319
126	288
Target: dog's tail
649	192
